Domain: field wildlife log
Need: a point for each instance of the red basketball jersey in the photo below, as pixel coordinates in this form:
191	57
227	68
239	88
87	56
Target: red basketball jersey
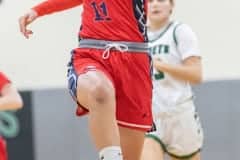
119	20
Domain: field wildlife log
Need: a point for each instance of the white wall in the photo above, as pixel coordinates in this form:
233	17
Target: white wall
40	62
217	24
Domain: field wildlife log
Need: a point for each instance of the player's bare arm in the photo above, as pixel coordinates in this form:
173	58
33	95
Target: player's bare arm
190	70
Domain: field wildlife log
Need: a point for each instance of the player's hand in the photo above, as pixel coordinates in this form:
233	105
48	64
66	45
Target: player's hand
25	20
156	62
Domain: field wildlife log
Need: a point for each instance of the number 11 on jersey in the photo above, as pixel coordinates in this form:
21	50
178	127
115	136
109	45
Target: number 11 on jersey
101	11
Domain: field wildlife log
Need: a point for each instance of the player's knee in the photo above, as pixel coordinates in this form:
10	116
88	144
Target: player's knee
101	92
97	89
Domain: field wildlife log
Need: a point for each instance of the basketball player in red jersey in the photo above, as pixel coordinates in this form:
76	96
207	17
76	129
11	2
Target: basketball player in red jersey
109	72
9	100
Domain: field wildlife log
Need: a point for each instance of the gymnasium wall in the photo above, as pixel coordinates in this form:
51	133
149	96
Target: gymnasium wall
48	128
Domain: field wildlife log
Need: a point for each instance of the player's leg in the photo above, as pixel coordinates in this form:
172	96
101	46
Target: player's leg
156	140
133	103
152	150
95	91
134	138
196	157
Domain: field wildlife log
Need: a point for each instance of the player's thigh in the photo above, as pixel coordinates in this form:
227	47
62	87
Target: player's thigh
132	141
88	75
134	92
152	150
96	80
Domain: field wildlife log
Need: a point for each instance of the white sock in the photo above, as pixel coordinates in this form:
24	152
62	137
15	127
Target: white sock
111	153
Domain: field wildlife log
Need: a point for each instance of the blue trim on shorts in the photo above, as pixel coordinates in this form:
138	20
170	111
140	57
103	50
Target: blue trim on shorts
72	78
